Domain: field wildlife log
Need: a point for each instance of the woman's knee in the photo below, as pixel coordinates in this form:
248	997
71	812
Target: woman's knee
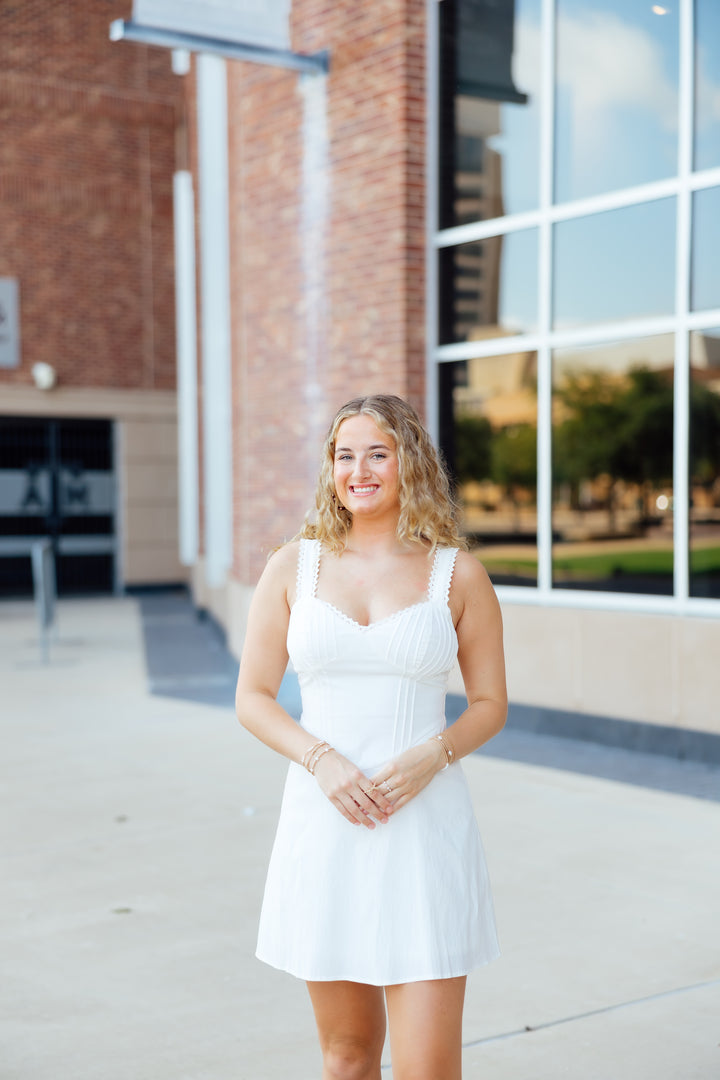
351	1059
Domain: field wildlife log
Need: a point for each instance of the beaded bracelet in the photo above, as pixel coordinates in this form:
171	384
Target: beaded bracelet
305	760
313	764
449	752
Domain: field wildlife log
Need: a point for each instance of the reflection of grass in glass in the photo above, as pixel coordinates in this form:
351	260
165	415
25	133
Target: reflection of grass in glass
614	563
705	561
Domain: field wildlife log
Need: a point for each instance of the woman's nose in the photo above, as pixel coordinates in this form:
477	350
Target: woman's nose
361	467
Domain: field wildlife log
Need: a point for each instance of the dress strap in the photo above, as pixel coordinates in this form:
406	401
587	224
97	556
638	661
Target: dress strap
308	567
441	574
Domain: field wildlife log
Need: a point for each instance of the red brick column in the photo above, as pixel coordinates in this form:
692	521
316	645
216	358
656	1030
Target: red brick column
366	332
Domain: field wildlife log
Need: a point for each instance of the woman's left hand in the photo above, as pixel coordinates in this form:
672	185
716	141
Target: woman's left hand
403	778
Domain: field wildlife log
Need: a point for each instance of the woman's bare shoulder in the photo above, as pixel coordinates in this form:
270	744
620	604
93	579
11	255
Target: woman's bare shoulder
469	572
281	567
471	586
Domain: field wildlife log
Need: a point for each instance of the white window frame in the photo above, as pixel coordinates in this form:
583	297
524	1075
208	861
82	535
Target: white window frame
546	339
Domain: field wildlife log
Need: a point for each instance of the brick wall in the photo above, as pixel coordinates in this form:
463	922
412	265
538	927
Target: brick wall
86	163
328	300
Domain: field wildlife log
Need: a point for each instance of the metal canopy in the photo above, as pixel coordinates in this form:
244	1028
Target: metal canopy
128	30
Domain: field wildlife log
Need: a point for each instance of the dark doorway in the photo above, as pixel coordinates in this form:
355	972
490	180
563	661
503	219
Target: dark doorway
57	479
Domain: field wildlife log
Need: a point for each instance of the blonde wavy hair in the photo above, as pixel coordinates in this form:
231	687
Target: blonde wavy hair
428	511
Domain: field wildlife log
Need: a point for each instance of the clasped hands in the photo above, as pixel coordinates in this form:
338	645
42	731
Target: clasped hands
365	801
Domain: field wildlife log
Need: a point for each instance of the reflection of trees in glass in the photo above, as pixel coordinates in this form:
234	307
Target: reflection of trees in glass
704	436
581	448
506	457
620	427
514	461
473	439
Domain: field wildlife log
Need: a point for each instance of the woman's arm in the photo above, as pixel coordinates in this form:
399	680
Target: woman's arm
480	656
264	659
263	663
478	624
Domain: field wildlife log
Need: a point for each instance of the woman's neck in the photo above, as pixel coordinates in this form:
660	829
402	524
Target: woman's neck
374	537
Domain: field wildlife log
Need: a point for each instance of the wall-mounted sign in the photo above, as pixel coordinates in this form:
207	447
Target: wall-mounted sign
9	323
256	22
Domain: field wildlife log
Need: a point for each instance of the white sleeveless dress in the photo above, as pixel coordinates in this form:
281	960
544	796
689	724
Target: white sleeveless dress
408	900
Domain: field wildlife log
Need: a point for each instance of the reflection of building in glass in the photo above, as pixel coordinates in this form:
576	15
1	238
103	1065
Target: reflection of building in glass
477	41
472	283
501	388
476	77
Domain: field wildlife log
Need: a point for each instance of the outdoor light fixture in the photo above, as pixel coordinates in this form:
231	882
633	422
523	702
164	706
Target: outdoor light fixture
44	376
659	10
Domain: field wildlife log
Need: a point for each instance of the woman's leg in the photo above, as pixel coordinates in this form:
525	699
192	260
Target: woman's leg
351	1024
425	1020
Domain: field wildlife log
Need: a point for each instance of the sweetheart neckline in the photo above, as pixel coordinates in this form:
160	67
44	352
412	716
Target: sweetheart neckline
376	622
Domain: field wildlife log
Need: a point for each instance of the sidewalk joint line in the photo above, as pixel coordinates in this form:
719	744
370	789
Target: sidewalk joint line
530	1028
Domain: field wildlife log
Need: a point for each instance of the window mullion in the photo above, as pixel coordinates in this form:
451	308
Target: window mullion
681	435
544	360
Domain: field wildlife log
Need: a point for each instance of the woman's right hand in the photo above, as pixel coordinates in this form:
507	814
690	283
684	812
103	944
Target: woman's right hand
350	791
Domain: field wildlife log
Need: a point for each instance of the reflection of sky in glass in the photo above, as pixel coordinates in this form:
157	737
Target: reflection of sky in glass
616	103
519	281
705	289
518	140
616	265
707	84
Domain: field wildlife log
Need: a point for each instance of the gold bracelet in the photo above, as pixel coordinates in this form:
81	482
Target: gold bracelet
305	760
313	765
449	752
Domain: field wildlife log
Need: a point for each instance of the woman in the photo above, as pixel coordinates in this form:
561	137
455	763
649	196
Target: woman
377	892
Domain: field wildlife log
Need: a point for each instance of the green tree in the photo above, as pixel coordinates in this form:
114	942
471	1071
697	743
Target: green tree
473	436
514	461
704	434
619	427
643	442
583	442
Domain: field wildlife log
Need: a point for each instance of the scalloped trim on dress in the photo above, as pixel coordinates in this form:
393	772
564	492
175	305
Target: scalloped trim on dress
377	622
308	569
450	572
308	574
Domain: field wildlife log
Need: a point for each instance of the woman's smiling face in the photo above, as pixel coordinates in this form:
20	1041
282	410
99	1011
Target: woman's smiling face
366	468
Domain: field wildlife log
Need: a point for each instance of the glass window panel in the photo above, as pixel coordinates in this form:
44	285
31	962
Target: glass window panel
705	289
707	84
488	433
616	265
613	466
705	463
489	108
489	287
616	103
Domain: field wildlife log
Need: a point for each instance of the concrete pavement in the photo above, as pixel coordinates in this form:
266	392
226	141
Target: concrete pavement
134	844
